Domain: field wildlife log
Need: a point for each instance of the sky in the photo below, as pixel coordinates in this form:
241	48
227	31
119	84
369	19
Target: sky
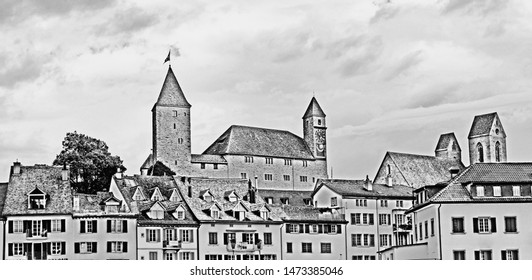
390	75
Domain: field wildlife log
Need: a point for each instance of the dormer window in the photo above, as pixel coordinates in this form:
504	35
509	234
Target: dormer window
239	215
111	208
156	212
179	214
269	200
265	214
284	200
516	190
138	195
157	196
215	214
36	199
207	197
174	197
480	191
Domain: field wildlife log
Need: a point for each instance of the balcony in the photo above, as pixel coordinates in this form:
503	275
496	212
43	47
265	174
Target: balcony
36	235
402	227
172	244
243	247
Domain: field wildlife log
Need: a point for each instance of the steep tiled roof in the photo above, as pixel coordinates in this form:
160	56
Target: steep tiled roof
208	159
421	170
498	172
45	178
148	184
313	109
445	139
306	213
218	187
245	140
171	93
295	198
148	162
355	188
91	205
482	124
3	192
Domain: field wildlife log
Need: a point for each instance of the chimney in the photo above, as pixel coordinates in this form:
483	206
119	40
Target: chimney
454	171
65	173
389	180
368	185
251	191
119	174
16	167
256	182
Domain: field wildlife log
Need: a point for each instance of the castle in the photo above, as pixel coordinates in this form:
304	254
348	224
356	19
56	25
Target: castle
274	159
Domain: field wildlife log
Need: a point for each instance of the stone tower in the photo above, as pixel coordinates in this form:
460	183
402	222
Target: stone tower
314	130
171	127
487	139
448	147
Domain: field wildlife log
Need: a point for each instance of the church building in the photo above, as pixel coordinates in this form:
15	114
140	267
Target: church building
271	158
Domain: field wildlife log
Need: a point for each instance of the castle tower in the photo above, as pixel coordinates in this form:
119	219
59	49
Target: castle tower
314	130
448	147
171	127
487	139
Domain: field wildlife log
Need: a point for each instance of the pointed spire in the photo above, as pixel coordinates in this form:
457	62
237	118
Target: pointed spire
314	109
171	93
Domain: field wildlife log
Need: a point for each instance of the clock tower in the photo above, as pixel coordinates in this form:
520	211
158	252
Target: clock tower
314	130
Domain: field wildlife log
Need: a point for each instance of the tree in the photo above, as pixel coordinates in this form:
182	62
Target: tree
91	164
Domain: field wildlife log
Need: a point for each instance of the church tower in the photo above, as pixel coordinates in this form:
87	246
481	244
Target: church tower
448	147
314	130
487	139
171	127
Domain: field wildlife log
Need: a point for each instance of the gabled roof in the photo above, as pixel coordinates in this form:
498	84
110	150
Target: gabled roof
45	178
148	162
508	172
421	170
3	192
482	124
171	93
445	140
314	109
208	159
306	214
355	188
295	198
218	187
256	141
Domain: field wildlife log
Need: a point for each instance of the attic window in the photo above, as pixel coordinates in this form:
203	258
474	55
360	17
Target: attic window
180	214
232	197
269	200
37	199
207	197
480	191
157	195
215	214
264	214
307	201
284	200
239	215
174	197
319	122
157	214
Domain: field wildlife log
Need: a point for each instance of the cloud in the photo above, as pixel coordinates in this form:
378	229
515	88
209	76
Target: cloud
128	21
18	10
22	69
386	12
479	7
405	64
363	59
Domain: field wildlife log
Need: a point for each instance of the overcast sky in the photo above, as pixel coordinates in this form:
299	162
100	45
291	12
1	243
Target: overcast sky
389	76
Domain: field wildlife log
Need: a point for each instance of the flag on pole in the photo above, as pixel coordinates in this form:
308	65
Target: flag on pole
167	58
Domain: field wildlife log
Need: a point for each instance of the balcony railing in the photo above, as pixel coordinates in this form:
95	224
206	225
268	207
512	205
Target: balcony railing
172	244
402	227
39	235
243	247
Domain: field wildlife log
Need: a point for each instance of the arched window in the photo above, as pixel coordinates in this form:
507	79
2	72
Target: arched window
480	150
498	152
389	170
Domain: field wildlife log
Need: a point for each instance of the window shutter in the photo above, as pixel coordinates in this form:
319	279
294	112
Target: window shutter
94	247
288	228
389	219
327	228
94	226
503	255
124	226
477	255
307	228
301	228
46	224
108	225
158	233
76	248
190	233
10	249
475	225
244	237
371	219
81	226
124	247
108	247
10	227
320	228
26	225
256	238
63	225
339	229
226	238
49	248
371	240
63	248
493	224
192	256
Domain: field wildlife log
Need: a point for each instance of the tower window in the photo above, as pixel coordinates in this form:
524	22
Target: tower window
248	159
175	113
179	140
215	166
480	151
319	122
175	126
305	163
389	170
498	152
203	166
